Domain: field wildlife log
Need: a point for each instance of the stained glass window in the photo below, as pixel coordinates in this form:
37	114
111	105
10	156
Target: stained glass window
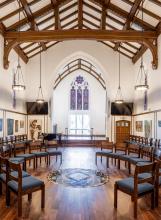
72	98
85	98
79	94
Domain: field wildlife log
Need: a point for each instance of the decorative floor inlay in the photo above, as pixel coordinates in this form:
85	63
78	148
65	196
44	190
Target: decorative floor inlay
77	177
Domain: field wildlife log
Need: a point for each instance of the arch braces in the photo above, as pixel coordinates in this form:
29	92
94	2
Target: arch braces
148	38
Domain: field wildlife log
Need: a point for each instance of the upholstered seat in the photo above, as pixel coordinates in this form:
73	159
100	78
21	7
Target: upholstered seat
26	155
16	159
103	153
27	183
41	153
15	174
135	160
127	184
125	157
52	152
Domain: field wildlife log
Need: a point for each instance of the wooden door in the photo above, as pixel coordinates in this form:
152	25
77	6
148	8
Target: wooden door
122	131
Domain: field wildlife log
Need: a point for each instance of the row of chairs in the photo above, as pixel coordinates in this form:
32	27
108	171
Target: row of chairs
142	157
19	182
22	152
144	141
13	139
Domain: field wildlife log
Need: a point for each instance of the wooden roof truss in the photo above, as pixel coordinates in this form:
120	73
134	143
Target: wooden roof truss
44	23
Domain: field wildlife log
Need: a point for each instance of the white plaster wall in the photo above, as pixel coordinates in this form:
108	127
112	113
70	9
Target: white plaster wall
154	95
154	81
54	59
97	102
6	80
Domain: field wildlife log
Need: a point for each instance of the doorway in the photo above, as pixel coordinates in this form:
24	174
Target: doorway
122	131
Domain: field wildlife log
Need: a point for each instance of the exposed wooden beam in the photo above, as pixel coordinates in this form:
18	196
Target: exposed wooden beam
80	14
130	18
140	52
31	18
20	52
111	35
4	3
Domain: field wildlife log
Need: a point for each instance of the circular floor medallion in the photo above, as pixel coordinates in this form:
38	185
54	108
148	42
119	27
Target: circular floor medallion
77	177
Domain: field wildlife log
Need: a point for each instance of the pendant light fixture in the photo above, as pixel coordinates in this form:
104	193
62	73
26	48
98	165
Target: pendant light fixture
141	81
119	97
40	97
18	84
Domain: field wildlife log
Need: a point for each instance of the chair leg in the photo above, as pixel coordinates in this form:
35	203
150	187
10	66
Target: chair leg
129	167
96	159
0	188
107	162
56	158
43	197
115	195
135	207
7	197
19	206
61	159
34	161
118	164
156	196
152	200
29	197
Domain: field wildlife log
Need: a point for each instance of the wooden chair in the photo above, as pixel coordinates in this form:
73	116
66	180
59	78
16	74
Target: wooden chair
137	187
108	146
50	149
26	156
39	151
158	182
3	172
22	186
6	151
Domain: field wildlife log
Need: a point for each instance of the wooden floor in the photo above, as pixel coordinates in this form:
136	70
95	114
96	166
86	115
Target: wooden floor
65	203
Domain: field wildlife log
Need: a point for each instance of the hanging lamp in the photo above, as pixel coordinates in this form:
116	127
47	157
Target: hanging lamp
40	97
119	97
18	84
141	81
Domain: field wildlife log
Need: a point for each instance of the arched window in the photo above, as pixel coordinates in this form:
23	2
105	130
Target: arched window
79	94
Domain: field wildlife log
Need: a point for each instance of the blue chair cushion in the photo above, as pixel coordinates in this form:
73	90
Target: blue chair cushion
53	152
27	183
128	185
116	155
26	156
41	154
16	160
135	160
124	157
103	153
13	173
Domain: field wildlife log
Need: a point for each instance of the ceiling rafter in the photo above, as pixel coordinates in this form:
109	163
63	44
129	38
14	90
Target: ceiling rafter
130	18
31	18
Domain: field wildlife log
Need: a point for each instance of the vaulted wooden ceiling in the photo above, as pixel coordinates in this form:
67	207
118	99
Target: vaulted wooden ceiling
48	15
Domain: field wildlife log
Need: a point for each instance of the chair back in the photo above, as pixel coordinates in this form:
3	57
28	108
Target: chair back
107	145
6	150
19	147
3	165
148	152
121	147
134	149
52	143
145	168
34	146
18	178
